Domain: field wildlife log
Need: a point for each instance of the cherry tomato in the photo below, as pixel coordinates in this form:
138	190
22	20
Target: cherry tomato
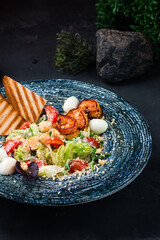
77	165
52	114
39	162
26	125
11	144
93	142
56	142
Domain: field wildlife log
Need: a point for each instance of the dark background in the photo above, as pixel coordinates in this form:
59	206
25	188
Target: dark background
27	49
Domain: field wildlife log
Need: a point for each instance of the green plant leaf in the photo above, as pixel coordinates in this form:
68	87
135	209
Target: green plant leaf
144	17
73	54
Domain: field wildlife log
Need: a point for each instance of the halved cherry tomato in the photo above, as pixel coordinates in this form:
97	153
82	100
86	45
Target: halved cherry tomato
11	144
26	125
56	142
39	162
52	114
77	165
93	142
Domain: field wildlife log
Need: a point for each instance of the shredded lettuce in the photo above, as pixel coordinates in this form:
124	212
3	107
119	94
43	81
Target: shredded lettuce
49	170
33	130
21	153
17	132
27	133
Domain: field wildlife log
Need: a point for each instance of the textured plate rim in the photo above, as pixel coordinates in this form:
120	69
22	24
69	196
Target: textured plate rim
125	184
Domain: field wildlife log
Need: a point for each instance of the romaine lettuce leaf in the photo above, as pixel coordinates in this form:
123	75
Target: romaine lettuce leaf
43	153
71	151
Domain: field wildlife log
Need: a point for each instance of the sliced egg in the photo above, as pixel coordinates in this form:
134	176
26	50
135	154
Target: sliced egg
3	154
70	103
98	126
7	166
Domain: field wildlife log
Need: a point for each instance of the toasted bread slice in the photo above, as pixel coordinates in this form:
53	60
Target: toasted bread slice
9	117
27	103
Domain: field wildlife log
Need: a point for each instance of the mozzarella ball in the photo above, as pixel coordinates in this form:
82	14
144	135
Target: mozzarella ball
7	166
98	126
70	103
3	154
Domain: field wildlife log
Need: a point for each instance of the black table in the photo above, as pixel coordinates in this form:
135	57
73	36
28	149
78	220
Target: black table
27	48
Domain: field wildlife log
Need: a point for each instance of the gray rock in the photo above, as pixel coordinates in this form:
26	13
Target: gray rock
122	54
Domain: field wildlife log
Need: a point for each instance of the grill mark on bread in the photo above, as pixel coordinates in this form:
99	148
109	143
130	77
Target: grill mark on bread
5	114
3	108
14	121
35	99
20	124
2	119
39	102
33	104
10	118
6	125
10	125
22	102
11	97
16	95
42	101
36	102
3	104
29	103
15	124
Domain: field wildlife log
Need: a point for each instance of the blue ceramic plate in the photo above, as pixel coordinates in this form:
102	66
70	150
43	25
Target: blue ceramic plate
128	139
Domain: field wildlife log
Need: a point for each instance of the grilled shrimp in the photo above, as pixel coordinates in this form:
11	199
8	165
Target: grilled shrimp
80	116
66	124
90	107
72	135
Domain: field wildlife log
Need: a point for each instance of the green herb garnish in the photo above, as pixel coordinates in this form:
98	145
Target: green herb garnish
42	118
50	133
31	131
93	157
73	54
96	156
33	153
80	135
93	135
67	167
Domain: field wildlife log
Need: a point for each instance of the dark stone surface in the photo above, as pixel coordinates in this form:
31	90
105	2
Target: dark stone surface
28	32
122	54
